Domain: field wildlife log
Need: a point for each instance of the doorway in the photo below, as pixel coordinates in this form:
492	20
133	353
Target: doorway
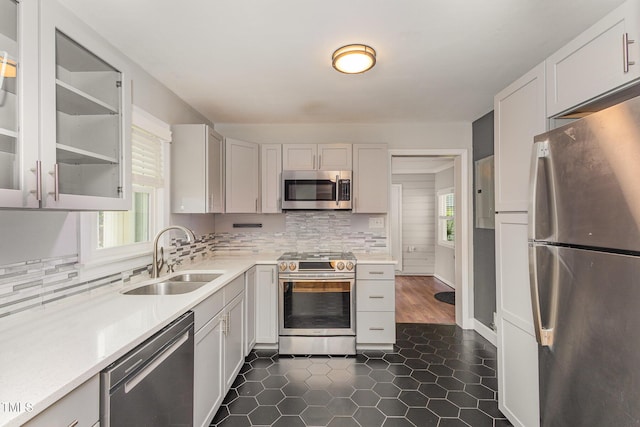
417	262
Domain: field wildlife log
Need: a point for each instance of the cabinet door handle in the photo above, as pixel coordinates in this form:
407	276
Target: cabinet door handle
313	166
376	329
273	276
56	182
625	52
319	161
376	296
74	423
38	171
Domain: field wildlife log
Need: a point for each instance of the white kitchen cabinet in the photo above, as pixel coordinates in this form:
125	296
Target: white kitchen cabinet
271	171
242	176
233	340
249	310
19	118
317	157
85	116
519	115
79	408
596	62
518	396
370	178
375	306
208	369
196	170
266	304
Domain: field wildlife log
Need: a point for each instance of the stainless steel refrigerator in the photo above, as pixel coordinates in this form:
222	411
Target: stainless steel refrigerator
584	254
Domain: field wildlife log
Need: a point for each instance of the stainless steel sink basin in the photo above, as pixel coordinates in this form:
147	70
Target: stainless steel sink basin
169	287
195	277
176	285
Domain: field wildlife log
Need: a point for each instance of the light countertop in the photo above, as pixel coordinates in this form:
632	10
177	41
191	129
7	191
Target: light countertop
49	351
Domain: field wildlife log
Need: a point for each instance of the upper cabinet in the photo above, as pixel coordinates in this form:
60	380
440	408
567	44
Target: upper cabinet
19	118
316	157
196	170
242	176
601	59
370	178
271	170
85	115
519	115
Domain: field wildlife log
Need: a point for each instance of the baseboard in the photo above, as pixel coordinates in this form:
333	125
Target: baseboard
486	332
445	281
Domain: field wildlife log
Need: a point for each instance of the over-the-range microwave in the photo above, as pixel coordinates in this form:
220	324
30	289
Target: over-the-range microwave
316	190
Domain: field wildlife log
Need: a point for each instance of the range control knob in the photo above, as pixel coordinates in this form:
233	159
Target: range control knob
292	266
283	266
350	265
340	265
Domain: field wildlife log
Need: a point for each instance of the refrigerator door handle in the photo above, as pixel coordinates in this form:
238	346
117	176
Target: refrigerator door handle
543	336
540	150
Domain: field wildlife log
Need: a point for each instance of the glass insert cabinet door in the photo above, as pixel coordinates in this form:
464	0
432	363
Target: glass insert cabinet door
85	116
10	161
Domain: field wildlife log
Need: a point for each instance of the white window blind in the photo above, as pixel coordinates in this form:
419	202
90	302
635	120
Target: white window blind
146	158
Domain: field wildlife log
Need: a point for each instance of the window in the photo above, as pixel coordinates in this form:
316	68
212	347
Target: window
446	217
121	234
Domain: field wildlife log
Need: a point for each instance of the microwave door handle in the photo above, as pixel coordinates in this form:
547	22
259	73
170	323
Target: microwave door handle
337	190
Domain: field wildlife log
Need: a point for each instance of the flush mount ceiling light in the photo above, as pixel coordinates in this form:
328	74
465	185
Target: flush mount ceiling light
354	58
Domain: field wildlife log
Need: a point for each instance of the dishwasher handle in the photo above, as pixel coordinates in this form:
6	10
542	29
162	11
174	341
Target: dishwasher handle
153	364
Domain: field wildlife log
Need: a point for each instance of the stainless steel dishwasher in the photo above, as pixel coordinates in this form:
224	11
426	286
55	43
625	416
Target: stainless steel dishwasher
153	384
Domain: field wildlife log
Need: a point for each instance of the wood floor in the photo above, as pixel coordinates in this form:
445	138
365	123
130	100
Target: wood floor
415	302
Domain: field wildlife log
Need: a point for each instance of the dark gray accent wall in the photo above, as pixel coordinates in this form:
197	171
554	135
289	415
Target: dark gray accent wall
484	242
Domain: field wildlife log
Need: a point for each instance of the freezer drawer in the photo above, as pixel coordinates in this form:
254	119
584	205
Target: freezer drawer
589	373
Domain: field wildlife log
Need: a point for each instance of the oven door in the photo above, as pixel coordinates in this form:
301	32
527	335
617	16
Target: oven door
317	306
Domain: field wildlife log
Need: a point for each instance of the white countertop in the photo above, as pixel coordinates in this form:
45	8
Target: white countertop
48	352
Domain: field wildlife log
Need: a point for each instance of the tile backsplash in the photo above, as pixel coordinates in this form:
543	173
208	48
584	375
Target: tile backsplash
36	283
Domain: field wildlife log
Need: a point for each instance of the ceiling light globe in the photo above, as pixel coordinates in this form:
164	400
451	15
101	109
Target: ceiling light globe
354	59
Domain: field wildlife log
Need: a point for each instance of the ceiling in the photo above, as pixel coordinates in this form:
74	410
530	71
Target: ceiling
269	61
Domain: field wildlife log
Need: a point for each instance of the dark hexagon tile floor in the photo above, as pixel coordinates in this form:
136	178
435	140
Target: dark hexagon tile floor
438	376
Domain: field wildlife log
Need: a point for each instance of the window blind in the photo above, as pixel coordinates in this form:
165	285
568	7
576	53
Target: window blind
146	158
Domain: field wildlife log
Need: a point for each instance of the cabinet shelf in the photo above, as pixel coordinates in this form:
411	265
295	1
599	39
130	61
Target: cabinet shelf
78	103
9	133
77	156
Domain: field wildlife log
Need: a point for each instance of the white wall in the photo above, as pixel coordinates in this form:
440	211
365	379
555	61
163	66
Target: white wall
396	135
418	226
444	268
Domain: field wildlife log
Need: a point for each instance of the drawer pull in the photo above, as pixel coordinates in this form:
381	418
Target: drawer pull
376	296
74	423
376	272
376	329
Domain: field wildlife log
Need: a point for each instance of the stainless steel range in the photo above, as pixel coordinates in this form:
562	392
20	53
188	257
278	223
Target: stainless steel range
317	303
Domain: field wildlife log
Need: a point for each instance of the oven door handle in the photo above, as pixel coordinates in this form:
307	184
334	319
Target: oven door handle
315	278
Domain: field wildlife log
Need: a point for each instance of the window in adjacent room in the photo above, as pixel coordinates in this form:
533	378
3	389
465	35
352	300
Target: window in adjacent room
446	217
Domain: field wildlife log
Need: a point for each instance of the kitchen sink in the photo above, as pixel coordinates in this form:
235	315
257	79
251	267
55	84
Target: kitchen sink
195	277
176	285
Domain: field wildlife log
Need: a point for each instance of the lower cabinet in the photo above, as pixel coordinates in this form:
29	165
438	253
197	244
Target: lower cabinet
79	408
249	310
266	304
219	348
375	306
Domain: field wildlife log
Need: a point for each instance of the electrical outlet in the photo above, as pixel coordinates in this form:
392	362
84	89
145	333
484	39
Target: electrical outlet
376	222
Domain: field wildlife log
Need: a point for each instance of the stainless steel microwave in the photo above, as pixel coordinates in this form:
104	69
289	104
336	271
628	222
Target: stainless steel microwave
316	190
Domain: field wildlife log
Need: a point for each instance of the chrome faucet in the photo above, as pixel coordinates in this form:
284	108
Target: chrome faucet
157	264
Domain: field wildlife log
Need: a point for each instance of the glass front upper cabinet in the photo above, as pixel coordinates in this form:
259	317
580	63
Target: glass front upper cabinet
85	116
9	113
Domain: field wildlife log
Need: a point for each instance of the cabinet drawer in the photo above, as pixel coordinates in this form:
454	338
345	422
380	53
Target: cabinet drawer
208	308
375	295
81	407
375	271
374	327
233	289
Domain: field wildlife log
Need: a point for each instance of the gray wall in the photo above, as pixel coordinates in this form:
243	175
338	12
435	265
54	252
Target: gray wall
484	243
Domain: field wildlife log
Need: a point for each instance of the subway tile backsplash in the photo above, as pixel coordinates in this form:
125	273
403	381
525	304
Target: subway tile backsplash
35	283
